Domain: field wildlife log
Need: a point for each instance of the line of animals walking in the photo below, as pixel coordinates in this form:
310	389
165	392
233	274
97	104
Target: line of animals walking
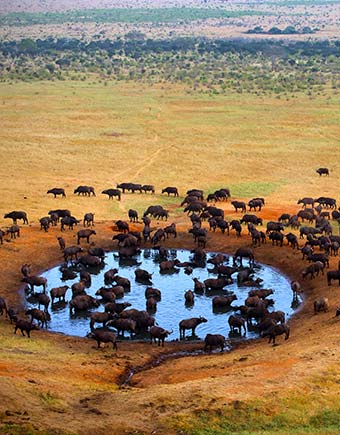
198	211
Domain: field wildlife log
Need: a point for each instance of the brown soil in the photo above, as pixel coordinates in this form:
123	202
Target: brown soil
66	384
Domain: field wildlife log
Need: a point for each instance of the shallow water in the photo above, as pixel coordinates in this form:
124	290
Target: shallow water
171	309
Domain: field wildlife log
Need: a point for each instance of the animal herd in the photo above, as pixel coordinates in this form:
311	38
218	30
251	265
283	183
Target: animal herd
205	217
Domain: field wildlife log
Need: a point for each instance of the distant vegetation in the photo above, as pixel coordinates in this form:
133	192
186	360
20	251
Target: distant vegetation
120	15
214	66
289	30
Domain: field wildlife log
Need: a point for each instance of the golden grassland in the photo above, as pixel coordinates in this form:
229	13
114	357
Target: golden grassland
65	134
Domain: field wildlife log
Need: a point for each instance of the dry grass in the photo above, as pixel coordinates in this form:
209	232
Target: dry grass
57	134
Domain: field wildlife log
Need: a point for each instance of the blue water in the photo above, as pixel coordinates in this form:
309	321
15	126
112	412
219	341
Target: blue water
171	309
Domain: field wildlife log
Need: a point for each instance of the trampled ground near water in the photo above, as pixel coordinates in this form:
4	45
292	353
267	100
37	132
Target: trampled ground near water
64	135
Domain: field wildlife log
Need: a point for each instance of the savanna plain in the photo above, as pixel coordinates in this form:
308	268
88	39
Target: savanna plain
86	128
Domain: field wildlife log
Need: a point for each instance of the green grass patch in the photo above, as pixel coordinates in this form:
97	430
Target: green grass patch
122	15
254	188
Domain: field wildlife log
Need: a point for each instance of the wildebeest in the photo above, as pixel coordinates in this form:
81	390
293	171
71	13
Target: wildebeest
170	191
35	281
236	323
191	323
57	191
321	304
112	192
323	171
276	330
15	215
158	333
85	190
85	234
214	340
25	326
102	336
59	293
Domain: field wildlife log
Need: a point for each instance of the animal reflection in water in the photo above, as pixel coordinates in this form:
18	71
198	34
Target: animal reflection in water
187	294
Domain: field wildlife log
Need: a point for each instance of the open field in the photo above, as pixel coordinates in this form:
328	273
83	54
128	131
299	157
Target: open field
158	19
64	134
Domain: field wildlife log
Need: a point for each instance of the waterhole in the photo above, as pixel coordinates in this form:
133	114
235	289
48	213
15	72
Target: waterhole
171	308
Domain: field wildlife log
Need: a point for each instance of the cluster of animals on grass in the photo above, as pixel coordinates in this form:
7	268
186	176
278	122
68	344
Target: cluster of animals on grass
205	217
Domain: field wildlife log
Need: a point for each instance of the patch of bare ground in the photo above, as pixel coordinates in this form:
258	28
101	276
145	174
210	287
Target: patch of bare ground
55	382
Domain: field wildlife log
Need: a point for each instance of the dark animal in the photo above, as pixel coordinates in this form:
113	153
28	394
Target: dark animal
102	336
43	299
251	218
239	205
25	269
41	316
115	307
85	191
198	286
304	231
72	252
107	294
236	225
158	236
110	275
25	326
130	187
61	242
214	340
3	307
133	215
333	274
191	323
170	191
83	303
122	325
254	204
88	219
69	221
321	304
15	215
170	230
78	288
112	192
313	269
148	188
323	171
59	293
143	276
296	288
14	231
57	191
306	201
292	240
223	301
168	265
276	237
153	292
122	226
59	213
151	304
261	293
99	317
236	323
276	330
35	281
162	214
85	234
45	223
189	297
244	253
158	333
216	283
274	226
